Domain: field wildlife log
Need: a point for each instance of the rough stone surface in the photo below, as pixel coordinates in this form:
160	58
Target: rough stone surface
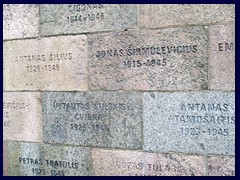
156	15
166	59
79	18
222	57
133	163
22	116
31	159
20	21
221	166
102	119
53	63
5	160
189	122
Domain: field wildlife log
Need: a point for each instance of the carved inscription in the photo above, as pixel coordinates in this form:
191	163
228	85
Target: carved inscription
37	159
22	118
8	107
167	59
87	116
214	114
226	46
147	51
133	163
51	61
55	63
79	18
42	166
190	122
150	169
104	119
84	13
222	57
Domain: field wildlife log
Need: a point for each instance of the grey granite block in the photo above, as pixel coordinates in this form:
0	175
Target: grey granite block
80	18
189	122
102	119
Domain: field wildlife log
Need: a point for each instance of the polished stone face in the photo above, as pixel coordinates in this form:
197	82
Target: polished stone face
22	116
54	63
20	21
81	18
102	119
222	57
37	159
189	122
166	59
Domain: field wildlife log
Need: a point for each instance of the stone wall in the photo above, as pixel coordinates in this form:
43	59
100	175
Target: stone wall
128	90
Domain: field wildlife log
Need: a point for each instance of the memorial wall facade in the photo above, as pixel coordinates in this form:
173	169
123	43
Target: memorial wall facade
119	90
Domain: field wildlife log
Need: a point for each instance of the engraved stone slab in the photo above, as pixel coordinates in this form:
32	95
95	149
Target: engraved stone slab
53	63
20	21
222	57
102	119
221	166
22	116
189	122
32	159
133	163
5	159
166	59
161	15
79	18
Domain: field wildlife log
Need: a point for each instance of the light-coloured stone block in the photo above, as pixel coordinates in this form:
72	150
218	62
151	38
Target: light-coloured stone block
189	122
20	21
162	15
133	163
52	63
37	159
222	57
80	18
166	59
22	116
